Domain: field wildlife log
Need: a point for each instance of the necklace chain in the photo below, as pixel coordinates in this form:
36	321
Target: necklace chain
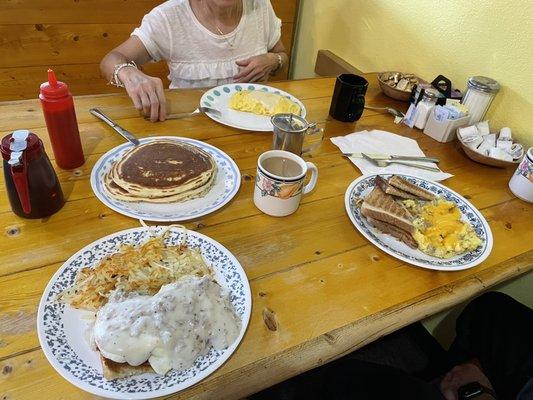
230	44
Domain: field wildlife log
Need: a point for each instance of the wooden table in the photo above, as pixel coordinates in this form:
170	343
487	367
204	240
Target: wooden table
320	290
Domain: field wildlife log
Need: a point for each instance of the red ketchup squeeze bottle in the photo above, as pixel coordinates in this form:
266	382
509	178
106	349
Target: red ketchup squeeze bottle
58	110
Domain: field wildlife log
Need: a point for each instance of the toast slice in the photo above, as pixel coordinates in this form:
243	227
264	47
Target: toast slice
406	186
380	206
114	370
389	189
392	230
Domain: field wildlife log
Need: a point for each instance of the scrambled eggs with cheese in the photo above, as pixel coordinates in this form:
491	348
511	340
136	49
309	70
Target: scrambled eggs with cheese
439	229
263	103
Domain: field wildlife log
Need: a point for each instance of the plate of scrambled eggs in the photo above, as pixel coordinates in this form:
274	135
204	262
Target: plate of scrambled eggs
444	232
249	106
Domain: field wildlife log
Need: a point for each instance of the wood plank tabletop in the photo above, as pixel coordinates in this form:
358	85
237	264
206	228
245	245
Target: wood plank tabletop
323	288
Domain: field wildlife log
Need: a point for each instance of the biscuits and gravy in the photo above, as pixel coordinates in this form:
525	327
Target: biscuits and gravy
157	307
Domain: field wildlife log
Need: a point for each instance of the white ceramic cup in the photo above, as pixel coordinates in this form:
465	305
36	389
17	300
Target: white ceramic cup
280	195
521	184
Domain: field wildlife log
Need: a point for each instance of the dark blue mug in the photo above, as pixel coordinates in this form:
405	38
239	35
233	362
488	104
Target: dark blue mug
348	100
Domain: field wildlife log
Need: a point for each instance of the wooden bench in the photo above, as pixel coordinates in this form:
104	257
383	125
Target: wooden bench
72	37
330	64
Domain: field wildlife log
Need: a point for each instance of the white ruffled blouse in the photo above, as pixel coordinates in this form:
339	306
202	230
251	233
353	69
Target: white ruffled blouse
196	56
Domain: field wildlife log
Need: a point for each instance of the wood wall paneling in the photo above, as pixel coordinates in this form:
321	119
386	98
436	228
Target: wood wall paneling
70	37
23	82
17	12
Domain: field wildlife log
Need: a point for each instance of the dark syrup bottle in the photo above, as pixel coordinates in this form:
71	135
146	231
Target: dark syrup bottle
31	182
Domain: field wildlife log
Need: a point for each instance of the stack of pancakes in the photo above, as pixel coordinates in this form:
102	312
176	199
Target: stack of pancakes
161	171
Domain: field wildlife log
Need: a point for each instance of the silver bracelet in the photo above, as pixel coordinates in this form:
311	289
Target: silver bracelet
280	64
115	80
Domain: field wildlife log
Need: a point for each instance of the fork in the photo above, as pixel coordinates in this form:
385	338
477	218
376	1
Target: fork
384	163
213	111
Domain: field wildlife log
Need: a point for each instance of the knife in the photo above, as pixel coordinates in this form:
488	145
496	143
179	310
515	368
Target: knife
392	157
121	131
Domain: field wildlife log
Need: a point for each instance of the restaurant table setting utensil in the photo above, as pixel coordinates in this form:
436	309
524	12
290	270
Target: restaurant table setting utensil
31	182
120	130
219	97
348	100
378	156
224	188
363	185
398	115
63	333
279	183
198	111
382	142
383	163
290	132
521	183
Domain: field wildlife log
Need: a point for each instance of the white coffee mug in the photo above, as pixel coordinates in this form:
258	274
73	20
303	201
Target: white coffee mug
279	195
521	184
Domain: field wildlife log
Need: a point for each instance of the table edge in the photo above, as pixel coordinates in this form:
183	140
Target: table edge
331	345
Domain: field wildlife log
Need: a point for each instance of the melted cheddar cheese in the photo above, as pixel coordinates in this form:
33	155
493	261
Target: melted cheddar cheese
440	231
262	103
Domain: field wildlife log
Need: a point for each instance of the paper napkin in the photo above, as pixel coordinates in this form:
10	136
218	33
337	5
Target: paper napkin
383	142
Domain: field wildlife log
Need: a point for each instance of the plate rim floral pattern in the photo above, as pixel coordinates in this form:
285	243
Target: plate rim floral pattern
472	214
231	172
50	317
211	95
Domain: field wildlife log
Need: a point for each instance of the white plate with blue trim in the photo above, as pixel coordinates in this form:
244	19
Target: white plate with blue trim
219	97
225	187
62	331
390	245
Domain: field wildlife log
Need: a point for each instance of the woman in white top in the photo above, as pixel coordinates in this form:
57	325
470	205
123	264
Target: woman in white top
205	43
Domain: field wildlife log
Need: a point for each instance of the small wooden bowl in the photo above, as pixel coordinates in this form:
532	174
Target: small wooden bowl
482	159
392	92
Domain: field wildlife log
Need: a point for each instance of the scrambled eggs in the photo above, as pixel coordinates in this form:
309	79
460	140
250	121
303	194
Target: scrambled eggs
439	229
262	103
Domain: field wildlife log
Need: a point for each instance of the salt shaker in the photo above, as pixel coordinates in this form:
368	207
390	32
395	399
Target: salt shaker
480	93
425	106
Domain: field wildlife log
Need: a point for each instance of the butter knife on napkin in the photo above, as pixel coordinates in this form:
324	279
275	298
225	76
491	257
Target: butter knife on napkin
392	157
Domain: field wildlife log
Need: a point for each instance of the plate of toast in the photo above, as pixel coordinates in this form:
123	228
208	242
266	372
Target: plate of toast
418	221
144	312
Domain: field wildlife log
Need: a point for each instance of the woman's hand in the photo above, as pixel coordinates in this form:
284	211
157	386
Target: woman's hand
146	92
256	68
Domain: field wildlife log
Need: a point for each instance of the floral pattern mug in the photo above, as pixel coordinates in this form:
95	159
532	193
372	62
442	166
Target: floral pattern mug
521	184
280	195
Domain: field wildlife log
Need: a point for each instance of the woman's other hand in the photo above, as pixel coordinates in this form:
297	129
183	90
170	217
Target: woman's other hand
256	68
146	93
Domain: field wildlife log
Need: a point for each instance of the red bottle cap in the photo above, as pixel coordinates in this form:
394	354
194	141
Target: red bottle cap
54	89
